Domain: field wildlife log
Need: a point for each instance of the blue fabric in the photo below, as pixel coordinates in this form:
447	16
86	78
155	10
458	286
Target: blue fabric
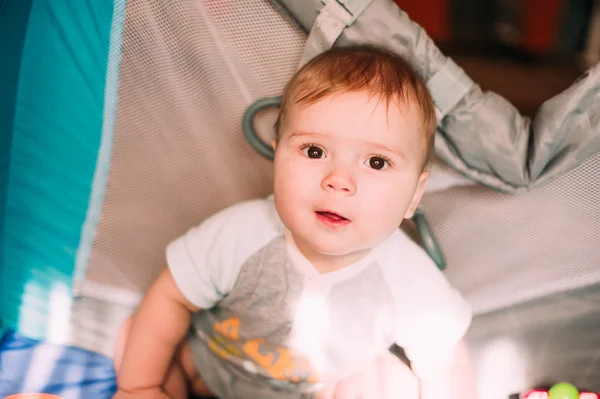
56	135
13	25
28	365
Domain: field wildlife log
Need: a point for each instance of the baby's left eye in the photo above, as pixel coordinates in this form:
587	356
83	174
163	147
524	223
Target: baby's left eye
378	163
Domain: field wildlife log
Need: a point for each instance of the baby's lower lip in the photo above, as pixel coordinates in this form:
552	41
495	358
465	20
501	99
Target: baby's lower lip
332	219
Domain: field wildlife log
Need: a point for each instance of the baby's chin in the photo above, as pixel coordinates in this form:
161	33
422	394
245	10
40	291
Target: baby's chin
339	250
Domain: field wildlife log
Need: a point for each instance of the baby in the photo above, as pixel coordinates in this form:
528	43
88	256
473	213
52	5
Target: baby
289	296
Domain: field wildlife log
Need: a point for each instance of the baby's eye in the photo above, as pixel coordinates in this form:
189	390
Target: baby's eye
378	163
313	152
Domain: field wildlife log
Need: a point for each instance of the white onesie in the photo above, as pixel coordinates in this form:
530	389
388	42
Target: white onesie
276	327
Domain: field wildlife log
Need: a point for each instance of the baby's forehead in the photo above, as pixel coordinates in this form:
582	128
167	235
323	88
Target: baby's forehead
377	120
403	102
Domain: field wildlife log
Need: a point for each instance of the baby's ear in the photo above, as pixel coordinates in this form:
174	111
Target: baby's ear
420	190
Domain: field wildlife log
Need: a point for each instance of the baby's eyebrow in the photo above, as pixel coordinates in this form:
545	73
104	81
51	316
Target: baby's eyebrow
387	149
309	134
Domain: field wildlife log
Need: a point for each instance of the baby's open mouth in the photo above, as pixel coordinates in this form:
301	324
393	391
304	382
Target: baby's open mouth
331	215
332	218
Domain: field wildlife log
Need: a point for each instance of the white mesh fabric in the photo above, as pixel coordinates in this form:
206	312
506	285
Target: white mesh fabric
504	249
188	72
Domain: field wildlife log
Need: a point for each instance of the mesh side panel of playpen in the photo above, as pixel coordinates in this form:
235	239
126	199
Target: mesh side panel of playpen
188	72
503	249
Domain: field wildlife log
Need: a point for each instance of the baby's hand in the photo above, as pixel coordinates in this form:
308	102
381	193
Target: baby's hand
153	393
386	378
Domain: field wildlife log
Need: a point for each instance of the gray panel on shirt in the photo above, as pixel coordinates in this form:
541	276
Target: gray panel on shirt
252	327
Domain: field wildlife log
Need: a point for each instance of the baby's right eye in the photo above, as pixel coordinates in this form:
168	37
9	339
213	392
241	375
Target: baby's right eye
312	151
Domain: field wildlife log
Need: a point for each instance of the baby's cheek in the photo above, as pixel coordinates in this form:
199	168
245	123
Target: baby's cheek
390	202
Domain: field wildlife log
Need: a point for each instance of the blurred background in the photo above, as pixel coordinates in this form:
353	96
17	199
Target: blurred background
525	50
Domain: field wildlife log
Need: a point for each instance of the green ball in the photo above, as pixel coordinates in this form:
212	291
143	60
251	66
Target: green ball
563	390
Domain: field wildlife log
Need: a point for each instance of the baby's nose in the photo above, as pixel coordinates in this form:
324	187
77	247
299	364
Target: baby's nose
339	180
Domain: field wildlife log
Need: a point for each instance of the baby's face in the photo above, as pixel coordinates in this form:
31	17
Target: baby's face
347	171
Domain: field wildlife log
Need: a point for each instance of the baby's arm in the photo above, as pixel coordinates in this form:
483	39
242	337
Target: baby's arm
158	327
433	318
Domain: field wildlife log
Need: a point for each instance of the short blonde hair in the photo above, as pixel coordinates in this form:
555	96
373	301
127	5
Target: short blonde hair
376	69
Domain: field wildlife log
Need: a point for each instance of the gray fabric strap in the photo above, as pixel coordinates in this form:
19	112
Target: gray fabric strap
328	26
333	18
447	87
